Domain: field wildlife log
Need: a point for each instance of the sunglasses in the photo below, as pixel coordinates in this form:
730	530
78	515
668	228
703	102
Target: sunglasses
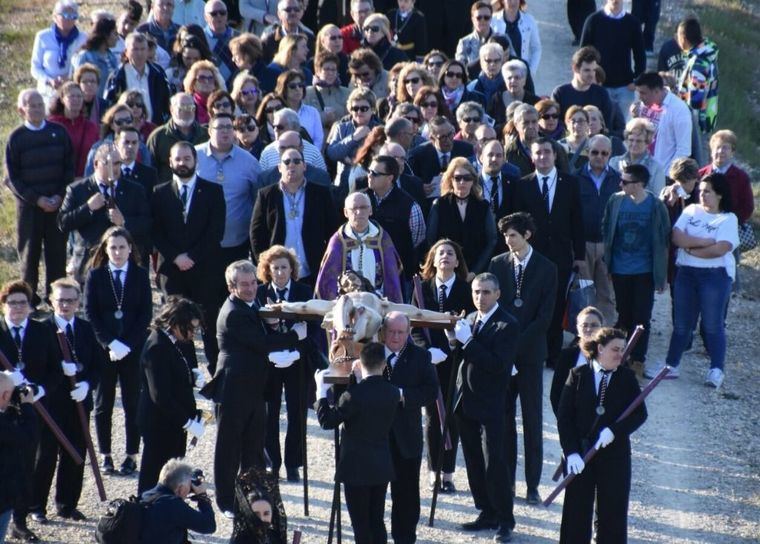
247	128
435	63
135	104
412	80
550	116
273	110
368	29
217	13
430	105
69	16
293	9
205	79
483	17
223	127
294	86
360	109
288	162
468	120
250	92
459	75
598	152
376	174
218	105
414	120
122	122
628	181
462	178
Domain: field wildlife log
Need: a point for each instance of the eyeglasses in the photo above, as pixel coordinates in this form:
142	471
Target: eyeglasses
205	79
468	120
628	181
273	109
599	152
247	128
459	75
17	303
135	104
360	109
462	178
279	127
69	16
492	61
288	162
217	13
292	9
219	105
412	80
483	17
296	85
66	300
368	29
434	63
222	127
547	116
123	121
187	107
249	92
376	174
336	37
429	104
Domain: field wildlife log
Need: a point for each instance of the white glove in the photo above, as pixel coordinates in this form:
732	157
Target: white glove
200	378
514	370
300	329
606	436
194	427
40	393
16	376
322	387
462	331
118	350
284	359
79	393
69	369
575	464
437	356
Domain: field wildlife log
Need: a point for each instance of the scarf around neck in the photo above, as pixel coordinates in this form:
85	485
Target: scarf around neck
64	42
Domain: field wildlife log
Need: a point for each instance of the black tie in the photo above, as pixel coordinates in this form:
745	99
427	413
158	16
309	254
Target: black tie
441	297
70	334
476	328
444	162
545	193
603	386
17	336
389	367
281	294
117	284
183	197
104	189
494	194
126	172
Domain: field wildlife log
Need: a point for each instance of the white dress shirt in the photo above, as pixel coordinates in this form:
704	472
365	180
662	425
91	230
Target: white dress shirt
552	181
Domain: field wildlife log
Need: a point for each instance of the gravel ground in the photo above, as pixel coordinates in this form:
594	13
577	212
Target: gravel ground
696	461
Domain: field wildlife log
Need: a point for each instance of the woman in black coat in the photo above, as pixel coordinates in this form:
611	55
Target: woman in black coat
377	36
462	215
167	409
119	306
444	289
452	82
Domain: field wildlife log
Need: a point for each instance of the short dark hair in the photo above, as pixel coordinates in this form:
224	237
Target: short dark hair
586	54
521	222
638	172
15	286
684	169
541	140
602	337
128	128
389	163
487	276
178	312
188	145
721	187
325	57
692	30
134	10
652	80
373	356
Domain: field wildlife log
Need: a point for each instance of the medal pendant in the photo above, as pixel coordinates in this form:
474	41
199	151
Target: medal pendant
600	410
395	39
293	213
220	176
118	314
518	302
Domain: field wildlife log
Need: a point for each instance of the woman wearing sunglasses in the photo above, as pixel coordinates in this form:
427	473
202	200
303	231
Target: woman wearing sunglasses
549	123
202	79
187	50
134	99
292	54
270	104
431	105
453	85
291	88
326	92
377	36
461	215
116	117
247	134
246	95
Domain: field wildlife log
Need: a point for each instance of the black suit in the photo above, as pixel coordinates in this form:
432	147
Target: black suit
317	176
319	223
147	176
132	329
158	88
558	237
415	376
293	379
166	403
88	226
238	388
482	386
425	164
538	293
41	358
87	353
365	465
608	476
458	299
568	357
200	237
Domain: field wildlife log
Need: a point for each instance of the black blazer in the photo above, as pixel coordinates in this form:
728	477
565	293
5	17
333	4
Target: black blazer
367	411
424	161
411	34
40	353
485	366
100	305
86	352
147	176
458	299
577	411
413	187
559	235
200	237
244	343
158	87
319	222
416	376
565	363
166	395
539	292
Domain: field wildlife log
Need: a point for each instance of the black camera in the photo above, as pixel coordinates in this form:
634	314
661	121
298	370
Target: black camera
21	390
197	477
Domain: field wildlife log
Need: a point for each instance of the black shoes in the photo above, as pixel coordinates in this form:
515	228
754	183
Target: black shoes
39	517
504	534
129	466
107	465
483	521
292	474
72	514
22	532
533	497
447	488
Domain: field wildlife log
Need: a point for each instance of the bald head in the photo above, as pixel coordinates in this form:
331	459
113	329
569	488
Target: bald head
395	331
290	140
357	208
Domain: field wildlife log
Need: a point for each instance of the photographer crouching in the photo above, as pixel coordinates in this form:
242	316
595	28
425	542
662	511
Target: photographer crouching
17	429
168	517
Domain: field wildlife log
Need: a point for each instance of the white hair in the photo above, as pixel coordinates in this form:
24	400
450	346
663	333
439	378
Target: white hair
491	48
24	95
514	65
65	5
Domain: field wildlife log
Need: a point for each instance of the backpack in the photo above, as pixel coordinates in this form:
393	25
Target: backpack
122	522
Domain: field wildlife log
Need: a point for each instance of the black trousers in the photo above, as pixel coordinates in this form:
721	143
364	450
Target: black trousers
487	473
205	291
34	228
27	455
405	496
160	443
648	13
292	379
445	26
433	426
634	300
241	434
528	384
608	478
127	372
554	333
366	507
68	485
577	12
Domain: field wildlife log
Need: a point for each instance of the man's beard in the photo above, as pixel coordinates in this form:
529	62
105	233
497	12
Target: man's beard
182	171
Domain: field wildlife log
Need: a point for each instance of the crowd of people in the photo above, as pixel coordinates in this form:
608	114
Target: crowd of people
237	153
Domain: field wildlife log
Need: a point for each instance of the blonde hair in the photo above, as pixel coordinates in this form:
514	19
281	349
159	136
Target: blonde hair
724	136
189	82
447	183
382	20
286	49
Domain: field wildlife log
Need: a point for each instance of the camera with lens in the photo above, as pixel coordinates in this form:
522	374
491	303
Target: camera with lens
197	477
23	390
